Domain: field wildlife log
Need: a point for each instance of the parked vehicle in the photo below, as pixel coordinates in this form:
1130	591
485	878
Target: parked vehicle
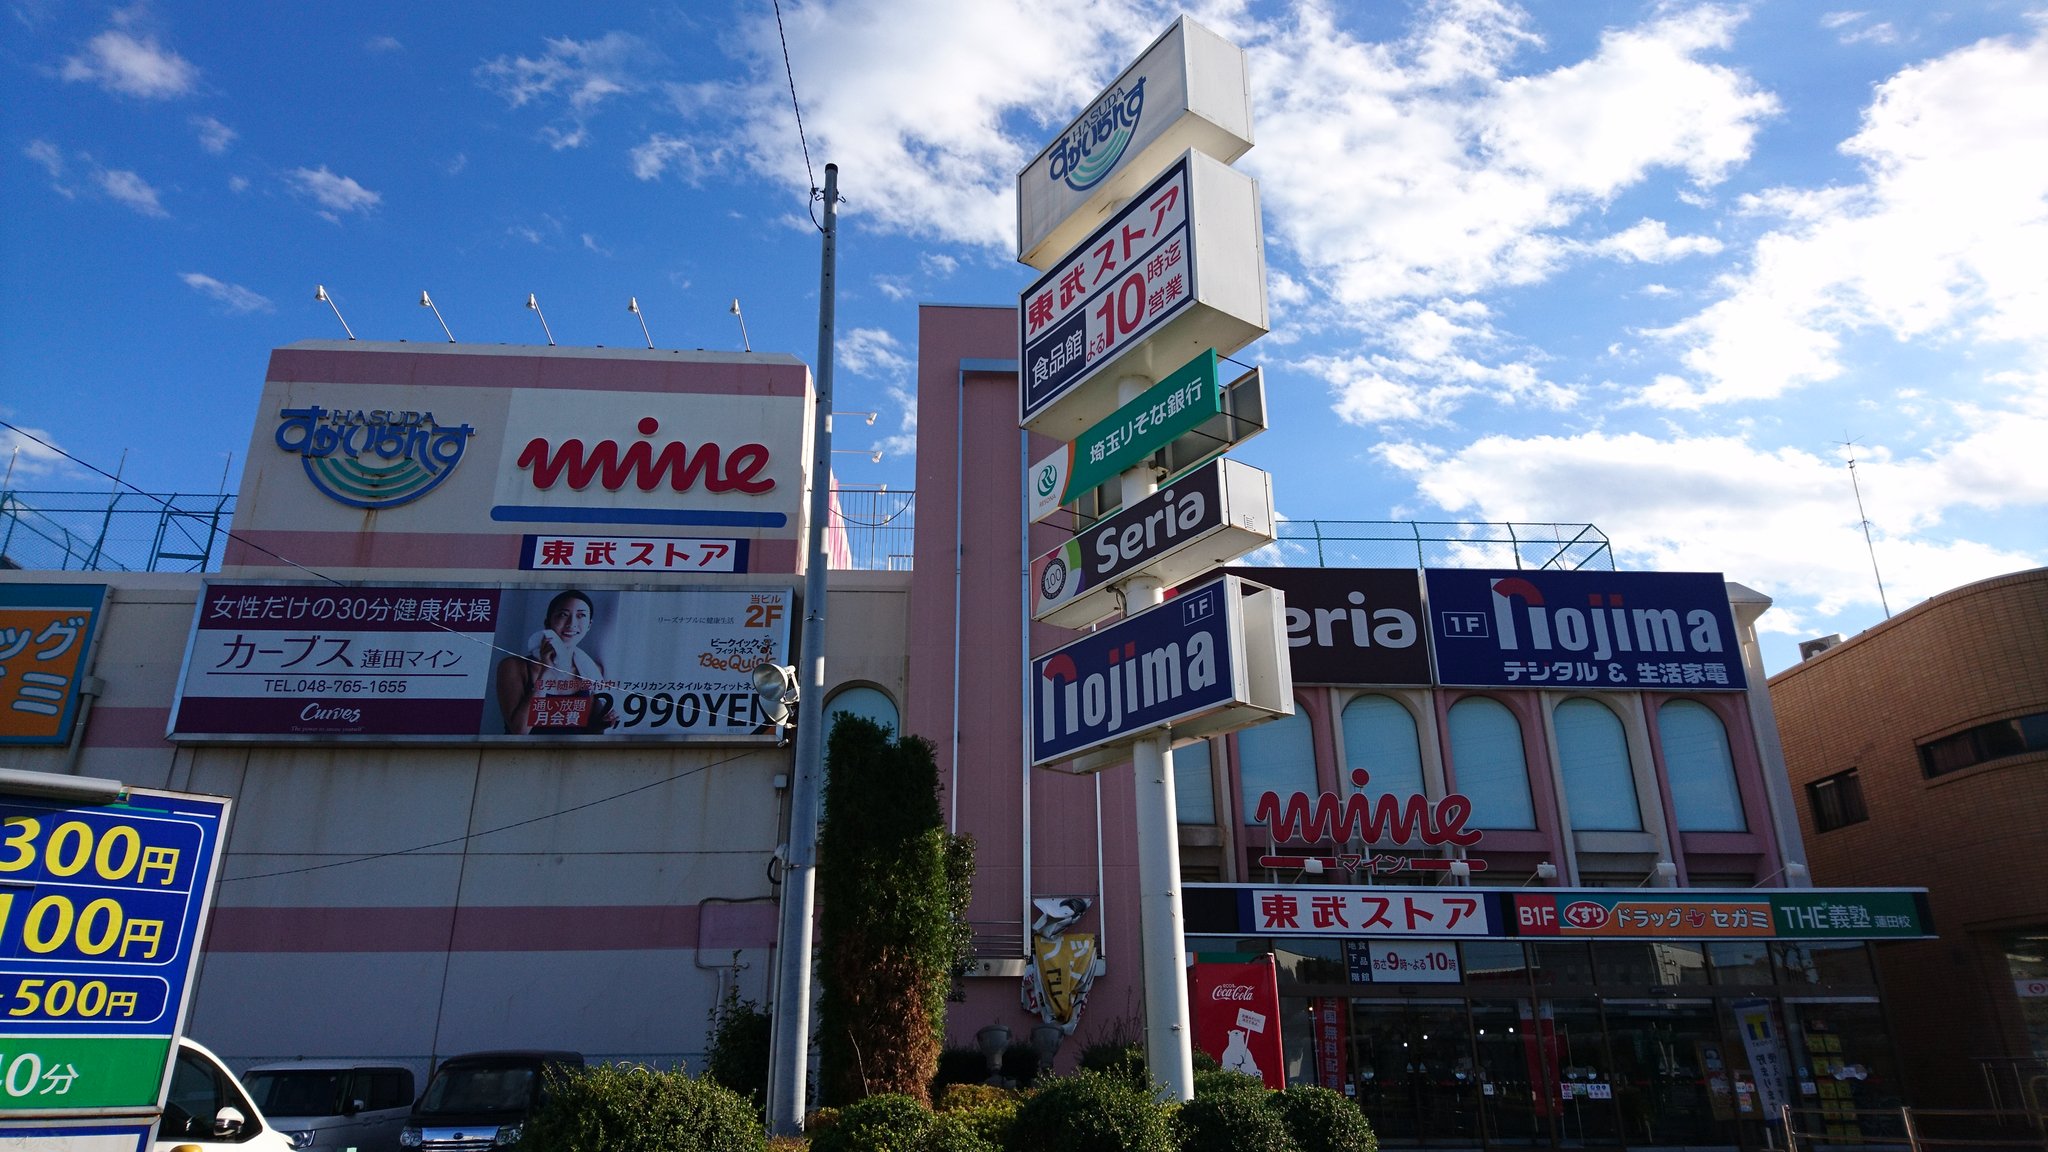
334	1105
208	1109
481	1100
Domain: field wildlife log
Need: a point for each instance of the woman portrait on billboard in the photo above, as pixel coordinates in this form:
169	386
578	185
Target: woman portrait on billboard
553	686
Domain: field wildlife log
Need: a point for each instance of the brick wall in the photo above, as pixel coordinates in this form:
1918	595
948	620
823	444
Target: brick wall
1976	839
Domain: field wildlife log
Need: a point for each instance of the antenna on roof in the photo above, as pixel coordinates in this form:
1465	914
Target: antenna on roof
1850	444
320	294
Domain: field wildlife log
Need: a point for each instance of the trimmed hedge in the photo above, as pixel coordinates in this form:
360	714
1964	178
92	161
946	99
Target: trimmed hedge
1090	1112
1321	1120
623	1108
1232	1121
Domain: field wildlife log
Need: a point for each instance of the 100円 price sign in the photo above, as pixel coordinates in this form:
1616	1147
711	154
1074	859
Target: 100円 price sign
101	912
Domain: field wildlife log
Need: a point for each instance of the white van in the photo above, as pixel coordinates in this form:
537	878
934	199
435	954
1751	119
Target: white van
209	1112
333	1105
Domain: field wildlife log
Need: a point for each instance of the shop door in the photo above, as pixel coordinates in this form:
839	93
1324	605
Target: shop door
1413	1066
1669	1079
1582	1075
1515	1094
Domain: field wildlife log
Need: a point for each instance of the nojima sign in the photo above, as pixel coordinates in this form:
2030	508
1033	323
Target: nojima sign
1209	660
1526	629
1187	91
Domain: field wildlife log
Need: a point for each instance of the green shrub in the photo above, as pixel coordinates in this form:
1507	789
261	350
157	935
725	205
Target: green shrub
884	1123
1121	1059
988	1110
1324	1121
955	1132
1205	1062
1020	1063
1232	1120
968	1097
621	1108
962	1065
1221	1083
1090	1112
736	1051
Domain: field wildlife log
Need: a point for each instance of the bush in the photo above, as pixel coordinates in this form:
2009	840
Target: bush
1232	1120
1020	1063
620	1108
736	1051
990	1111
1205	1062
960	1066
955	1133
884	1123
1120	1059
1090	1112
1324	1121
1221	1083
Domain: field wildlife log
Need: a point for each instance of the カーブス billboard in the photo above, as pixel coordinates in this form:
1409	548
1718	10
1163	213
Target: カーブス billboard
1549	629
451	662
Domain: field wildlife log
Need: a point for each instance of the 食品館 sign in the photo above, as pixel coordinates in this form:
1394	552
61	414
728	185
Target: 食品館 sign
1583	629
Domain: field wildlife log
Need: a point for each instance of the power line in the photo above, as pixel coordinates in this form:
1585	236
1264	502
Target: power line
492	831
790	72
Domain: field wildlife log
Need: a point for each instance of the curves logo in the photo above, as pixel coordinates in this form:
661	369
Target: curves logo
1092	147
375	458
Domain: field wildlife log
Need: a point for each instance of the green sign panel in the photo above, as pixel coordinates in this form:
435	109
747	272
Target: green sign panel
1165	412
81	1073
1849	914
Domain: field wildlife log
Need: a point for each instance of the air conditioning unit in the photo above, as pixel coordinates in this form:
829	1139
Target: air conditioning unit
1808	649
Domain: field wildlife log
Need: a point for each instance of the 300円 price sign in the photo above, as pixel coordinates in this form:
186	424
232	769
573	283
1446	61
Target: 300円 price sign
101	913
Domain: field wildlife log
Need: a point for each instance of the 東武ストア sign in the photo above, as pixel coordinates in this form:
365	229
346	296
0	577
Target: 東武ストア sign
462	662
1186	91
1161	414
102	908
1179	269
1206	661
1582	629
46	635
632	554
1208	517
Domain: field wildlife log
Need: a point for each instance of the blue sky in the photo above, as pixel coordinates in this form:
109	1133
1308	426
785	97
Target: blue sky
1642	265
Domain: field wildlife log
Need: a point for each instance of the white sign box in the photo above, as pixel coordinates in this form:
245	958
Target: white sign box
1180	269
1186	91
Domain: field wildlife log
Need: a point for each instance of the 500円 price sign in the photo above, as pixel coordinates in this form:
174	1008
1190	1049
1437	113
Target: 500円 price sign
101	913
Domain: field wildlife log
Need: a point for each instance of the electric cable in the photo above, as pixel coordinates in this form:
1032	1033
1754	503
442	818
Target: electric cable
810	172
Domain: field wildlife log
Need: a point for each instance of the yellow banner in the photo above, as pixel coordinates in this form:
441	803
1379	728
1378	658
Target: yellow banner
1064	968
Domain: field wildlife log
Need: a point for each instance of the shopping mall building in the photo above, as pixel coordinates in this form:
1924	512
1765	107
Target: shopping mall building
475	672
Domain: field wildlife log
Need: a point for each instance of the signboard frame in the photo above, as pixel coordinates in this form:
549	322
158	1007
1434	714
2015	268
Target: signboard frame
211	816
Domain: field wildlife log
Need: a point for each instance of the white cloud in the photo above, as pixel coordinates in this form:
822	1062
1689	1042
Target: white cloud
1422	372
128	188
238	184
133	66
1944	239
383	44
334	193
1650	242
936	134
51	159
873	352
582	74
236	299
214	136
29	459
660	152
1781	520
590	244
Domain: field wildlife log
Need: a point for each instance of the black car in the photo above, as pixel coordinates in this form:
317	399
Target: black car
481	1100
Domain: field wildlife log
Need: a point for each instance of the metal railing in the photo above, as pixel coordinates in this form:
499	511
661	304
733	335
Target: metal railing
1437	544
1914	1129
113	532
879	528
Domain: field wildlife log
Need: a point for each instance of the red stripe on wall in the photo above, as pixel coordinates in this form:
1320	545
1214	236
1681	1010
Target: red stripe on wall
527	928
642	373
111	727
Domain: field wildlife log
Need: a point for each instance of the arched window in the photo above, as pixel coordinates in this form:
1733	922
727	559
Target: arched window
1379	736
867	703
1277	756
1599	788
1487	760
1194	800
1701	771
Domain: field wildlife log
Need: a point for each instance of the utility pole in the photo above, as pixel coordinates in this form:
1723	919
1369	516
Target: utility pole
790	1042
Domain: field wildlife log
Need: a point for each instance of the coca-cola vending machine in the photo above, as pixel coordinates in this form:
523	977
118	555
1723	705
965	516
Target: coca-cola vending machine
1237	1016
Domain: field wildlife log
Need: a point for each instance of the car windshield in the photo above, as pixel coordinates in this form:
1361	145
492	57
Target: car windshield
302	1093
480	1088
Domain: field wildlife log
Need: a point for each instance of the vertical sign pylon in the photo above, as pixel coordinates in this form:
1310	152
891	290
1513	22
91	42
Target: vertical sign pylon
1162	937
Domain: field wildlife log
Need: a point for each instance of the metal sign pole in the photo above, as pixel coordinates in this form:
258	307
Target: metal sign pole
1161	931
790	1041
